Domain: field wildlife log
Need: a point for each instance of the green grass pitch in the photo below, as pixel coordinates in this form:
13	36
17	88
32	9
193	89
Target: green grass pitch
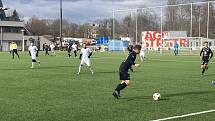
54	92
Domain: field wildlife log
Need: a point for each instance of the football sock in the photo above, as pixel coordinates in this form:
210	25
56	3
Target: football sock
203	71
79	70
121	87
33	63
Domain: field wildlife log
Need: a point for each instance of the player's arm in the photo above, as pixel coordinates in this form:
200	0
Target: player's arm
90	53
80	55
29	51
211	53
201	52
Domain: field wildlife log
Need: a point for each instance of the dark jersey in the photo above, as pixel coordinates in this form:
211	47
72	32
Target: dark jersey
69	48
206	53
127	64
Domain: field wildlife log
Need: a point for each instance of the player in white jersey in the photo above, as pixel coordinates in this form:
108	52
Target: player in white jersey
142	53
33	52
74	49
52	46
85	55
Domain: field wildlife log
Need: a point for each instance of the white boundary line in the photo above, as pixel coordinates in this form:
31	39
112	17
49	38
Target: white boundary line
186	115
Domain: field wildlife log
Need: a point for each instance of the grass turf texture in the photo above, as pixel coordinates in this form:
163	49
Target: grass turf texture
54	92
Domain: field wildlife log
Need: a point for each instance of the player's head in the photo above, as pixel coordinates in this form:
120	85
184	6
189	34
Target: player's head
137	48
32	43
206	44
84	45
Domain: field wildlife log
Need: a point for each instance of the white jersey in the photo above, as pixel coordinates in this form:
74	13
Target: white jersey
142	51
74	47
85	52
85	56
52	46
33	50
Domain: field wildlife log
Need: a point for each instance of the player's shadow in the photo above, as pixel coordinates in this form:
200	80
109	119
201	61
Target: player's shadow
189	93
167	96
135	98
14	69
36	68
108	72
56	67
209	75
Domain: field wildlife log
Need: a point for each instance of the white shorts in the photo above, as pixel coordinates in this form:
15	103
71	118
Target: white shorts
142	54
52	50
85	61
33	57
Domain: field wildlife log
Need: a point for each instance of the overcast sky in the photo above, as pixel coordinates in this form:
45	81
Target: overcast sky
78	11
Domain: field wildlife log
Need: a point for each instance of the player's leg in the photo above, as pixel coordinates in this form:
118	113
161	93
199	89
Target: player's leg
87	61
141	58
16	52
54	53
80	66
125	77
46	52
69	53
120	87
33	63
203	67
206	64
75	53
13	53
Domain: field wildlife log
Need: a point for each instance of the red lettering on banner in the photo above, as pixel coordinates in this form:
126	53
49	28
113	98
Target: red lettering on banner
182	43
148	36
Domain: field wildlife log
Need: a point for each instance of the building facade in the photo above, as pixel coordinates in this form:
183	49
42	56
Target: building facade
10	30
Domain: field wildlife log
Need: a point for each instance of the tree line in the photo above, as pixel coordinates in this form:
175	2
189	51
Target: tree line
174	18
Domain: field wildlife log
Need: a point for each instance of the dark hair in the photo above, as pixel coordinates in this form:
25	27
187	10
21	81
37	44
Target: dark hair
137	47
206	42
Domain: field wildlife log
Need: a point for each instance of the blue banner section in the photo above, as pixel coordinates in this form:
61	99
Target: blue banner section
117	45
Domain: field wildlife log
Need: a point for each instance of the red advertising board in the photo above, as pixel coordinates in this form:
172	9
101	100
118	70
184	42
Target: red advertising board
153	39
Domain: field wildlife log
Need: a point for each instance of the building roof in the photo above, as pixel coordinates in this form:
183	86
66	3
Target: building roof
2	13
12	24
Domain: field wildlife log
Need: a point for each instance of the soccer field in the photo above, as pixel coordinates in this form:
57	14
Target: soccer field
54	92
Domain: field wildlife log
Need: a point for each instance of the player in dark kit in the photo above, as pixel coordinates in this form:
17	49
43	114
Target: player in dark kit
69	49
124	70
205	54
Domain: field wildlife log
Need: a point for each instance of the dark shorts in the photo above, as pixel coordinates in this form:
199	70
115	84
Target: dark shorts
15	50
69	50
33	60
204	62
124	75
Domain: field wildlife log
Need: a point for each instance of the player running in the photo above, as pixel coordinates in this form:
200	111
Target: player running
69	49
142	53
13	49
74	48
52	47
85	55
176	46
33	52
124	68
205	53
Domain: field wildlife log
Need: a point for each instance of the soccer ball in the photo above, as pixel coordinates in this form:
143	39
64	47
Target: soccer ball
156	96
